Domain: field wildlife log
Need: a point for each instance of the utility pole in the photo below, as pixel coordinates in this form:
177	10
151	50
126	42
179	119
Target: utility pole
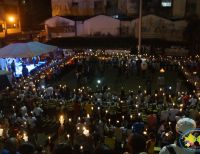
140	28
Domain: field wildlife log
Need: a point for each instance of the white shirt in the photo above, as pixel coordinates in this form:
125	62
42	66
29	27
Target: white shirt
193	101
37	111
177	149
23	110
31	121
49	91
172	114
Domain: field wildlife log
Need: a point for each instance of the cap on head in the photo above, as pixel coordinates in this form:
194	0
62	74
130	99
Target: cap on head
185	124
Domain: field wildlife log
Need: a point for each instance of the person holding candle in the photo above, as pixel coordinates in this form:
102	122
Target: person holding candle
103	149
136	144
151	143
63	148
138	126
11	146
152	121
26	148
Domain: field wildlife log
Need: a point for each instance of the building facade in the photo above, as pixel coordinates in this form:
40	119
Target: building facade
9	18
129	8
193	7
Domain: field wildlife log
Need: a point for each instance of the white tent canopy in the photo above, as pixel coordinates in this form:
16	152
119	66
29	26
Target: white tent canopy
58	21
59	27
103	25
25	50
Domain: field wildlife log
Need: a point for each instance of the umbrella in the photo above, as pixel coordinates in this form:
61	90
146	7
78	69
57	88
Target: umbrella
25	50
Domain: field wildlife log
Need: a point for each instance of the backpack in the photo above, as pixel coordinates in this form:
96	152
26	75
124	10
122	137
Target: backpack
171	149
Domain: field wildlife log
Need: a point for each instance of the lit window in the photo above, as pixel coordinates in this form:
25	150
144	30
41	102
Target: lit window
166	3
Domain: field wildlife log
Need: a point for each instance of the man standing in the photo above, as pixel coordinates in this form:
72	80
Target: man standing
24	71
13	68
182	126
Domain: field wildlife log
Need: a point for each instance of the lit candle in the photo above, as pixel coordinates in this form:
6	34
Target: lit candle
25	137
86	132
61	119
1	132
68	136
166	134
109	121
70	119
49	139
88	116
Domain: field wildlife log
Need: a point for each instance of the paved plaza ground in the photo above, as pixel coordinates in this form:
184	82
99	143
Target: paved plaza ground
112	79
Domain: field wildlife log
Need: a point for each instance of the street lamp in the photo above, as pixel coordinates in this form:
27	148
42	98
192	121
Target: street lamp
10	19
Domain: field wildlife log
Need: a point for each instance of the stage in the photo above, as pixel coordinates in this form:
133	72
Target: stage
30	67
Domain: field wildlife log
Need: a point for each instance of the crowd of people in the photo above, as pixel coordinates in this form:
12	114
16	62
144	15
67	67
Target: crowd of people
85	120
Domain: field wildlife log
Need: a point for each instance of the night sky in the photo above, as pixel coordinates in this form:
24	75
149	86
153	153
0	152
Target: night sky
34	12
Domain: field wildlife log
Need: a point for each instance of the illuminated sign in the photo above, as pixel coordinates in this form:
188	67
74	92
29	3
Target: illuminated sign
190	140
166	3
